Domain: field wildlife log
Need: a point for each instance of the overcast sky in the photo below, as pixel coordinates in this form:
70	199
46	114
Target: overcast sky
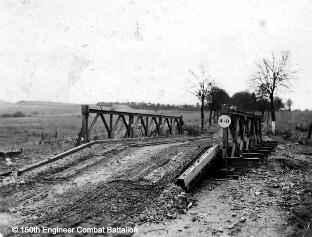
141	50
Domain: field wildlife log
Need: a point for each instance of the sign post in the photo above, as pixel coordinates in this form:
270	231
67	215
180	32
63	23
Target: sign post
224	122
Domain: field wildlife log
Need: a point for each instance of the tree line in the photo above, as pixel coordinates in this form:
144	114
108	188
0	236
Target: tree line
271	75
244	101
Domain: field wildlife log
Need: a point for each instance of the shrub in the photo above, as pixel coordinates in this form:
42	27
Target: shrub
192	130
17	114
35	113
286	134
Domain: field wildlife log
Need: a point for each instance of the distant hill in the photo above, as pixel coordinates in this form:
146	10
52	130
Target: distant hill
31	108
2	102
43	103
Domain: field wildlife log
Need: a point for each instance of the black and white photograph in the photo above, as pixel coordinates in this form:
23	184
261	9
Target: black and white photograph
167	118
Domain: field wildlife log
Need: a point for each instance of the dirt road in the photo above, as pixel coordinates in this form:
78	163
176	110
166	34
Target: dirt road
105	185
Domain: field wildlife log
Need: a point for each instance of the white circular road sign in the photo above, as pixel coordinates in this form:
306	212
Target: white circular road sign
224	121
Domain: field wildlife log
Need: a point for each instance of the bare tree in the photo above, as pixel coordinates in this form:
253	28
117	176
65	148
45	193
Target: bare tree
201	89
215	100
272	74
289	104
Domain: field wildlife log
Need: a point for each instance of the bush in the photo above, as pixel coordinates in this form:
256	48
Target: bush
192	130
300	127
286	134
35	113
17	114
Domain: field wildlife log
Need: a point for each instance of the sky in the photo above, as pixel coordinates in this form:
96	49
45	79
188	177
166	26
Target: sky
142	50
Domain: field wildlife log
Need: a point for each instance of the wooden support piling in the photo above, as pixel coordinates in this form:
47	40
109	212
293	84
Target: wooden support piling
84	127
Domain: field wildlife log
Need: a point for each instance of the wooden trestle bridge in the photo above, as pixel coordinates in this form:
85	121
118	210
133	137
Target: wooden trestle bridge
134	124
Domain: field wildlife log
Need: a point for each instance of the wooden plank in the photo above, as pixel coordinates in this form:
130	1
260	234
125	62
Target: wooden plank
186	178
7	173
156	124
252	154
126	125
144	125
243	162
116	122
159	126
55	158
91	110
105	124
176	122
147	126
234	132
131	120
93	123
169	126
180	125
110	135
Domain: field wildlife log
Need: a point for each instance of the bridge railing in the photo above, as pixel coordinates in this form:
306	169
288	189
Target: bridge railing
148	124
243	134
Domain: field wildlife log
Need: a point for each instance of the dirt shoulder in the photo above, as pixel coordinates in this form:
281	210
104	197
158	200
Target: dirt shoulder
295	181
271	200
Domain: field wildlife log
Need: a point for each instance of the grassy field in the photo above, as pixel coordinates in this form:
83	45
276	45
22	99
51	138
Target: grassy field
288	121
292	119
44	122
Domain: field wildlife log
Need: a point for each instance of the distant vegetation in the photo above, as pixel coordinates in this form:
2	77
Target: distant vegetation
243	100
153	106
17	114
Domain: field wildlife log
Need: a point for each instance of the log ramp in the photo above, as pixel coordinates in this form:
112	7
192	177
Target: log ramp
193	173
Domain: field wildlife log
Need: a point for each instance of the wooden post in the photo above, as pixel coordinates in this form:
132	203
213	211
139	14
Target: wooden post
84	128
257	130
309	132
110	134
156	124
225	137
131	120
248	131
181	125
225	142
169	126
160	126
260	130
146	126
